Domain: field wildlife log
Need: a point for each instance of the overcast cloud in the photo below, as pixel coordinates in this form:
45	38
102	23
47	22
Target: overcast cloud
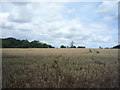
91	24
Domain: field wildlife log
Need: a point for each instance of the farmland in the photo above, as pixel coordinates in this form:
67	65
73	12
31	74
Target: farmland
59	68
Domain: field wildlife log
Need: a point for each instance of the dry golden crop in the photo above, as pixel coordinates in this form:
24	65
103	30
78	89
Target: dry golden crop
59	68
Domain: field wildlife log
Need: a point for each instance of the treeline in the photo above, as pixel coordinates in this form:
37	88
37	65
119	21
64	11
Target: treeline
71	46
15	43
62	46
117	46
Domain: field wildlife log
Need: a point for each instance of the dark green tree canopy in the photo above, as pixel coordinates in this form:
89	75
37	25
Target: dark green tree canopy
117	46
81	47
15	43
62	46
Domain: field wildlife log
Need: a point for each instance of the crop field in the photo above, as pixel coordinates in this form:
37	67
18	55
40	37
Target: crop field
59	68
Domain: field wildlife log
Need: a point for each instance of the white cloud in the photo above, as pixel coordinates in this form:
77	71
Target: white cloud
108	7
109	10
46	22
71	10
108	18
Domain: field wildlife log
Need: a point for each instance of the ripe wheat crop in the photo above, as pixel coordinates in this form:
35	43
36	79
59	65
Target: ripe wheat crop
59	68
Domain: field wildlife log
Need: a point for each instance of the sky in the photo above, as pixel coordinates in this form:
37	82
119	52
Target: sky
90	24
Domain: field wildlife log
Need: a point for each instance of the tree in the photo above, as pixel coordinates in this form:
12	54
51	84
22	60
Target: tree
62	46
10	43
74	47
100	47
81	47
71	44
117	46
6	44
49	46
25	44
15	43
34	44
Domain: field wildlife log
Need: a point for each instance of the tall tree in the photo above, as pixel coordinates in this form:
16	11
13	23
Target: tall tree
71	44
